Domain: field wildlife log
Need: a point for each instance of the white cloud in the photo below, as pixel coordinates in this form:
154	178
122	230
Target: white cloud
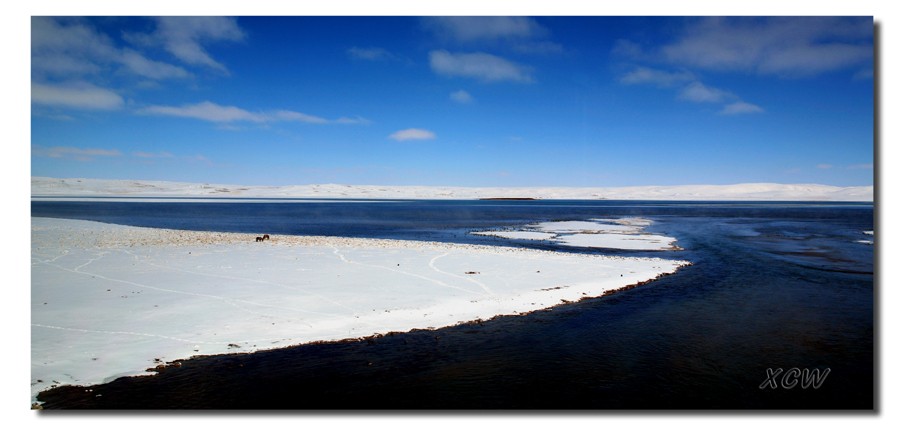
298	116
482	66
68	151
195	158
59	64
789	46
208	111
63	47
148	85
658	77
411	133
73	49
75	95
357	120
184	36
474	28
461	96
69	36
226	114
371	54
740	107
142	66
698	92
694	91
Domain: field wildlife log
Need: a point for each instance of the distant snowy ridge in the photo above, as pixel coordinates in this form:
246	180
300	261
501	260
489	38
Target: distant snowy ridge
42	186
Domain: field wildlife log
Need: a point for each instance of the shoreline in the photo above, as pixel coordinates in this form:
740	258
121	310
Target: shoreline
51	394
123	190
195	275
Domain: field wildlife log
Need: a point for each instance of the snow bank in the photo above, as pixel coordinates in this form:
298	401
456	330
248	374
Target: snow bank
111	300
43	187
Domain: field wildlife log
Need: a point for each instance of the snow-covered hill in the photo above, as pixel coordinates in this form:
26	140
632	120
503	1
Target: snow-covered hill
42	186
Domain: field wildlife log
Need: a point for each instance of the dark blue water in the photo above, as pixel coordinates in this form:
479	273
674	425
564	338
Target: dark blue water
773	285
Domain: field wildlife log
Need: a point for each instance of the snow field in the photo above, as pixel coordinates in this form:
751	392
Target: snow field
111	300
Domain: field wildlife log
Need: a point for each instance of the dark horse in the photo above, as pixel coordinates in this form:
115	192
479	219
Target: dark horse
265	237
258	239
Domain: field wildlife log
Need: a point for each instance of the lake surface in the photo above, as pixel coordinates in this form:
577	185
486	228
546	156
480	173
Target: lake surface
773	285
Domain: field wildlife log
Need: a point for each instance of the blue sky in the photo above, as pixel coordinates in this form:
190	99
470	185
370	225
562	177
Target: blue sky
463	101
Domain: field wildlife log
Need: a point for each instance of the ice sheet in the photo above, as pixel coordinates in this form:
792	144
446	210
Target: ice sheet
517	235
625	233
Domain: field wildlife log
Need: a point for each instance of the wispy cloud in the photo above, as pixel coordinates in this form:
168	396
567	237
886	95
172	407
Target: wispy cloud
517	33
690	89
61	117
298	116
699	92
740	107
79	59
481	66
184	37
783	46
357	120
142	66
68	152
199	158
461	96
170	158
207	111
227	114
79	95
412	134
860	166
70	48
230	127
658	77
475	28
824	166
788	46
